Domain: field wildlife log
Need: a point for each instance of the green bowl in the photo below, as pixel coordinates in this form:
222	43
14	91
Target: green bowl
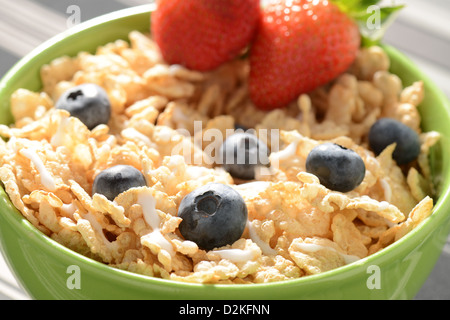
46	269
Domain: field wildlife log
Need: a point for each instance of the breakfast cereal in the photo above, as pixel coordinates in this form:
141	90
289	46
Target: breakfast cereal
162	118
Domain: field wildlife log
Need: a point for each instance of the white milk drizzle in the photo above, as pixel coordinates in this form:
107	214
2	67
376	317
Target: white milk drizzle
46	178
148	203
265	248
235	255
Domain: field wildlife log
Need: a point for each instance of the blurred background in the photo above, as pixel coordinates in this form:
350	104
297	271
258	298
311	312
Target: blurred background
421	31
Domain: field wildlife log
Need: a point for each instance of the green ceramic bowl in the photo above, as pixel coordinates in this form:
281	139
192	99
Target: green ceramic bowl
46	269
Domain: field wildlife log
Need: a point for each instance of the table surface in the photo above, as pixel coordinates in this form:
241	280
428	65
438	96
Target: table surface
422	31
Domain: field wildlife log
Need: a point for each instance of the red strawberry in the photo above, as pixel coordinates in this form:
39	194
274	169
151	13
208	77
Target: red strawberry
301	44
203	34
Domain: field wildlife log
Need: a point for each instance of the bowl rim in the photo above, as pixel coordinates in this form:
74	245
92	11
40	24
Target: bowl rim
22	223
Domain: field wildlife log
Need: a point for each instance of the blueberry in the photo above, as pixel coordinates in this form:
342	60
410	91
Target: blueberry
337	167
386	131
213	216
241	153
115	180
87	102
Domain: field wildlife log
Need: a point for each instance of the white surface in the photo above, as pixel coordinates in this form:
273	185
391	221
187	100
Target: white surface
9	288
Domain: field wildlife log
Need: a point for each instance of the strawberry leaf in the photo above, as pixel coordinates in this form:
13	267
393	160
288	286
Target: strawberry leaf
355	6
373	25
372	19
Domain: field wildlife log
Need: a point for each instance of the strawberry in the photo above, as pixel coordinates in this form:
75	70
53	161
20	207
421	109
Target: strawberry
301	44
203	34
